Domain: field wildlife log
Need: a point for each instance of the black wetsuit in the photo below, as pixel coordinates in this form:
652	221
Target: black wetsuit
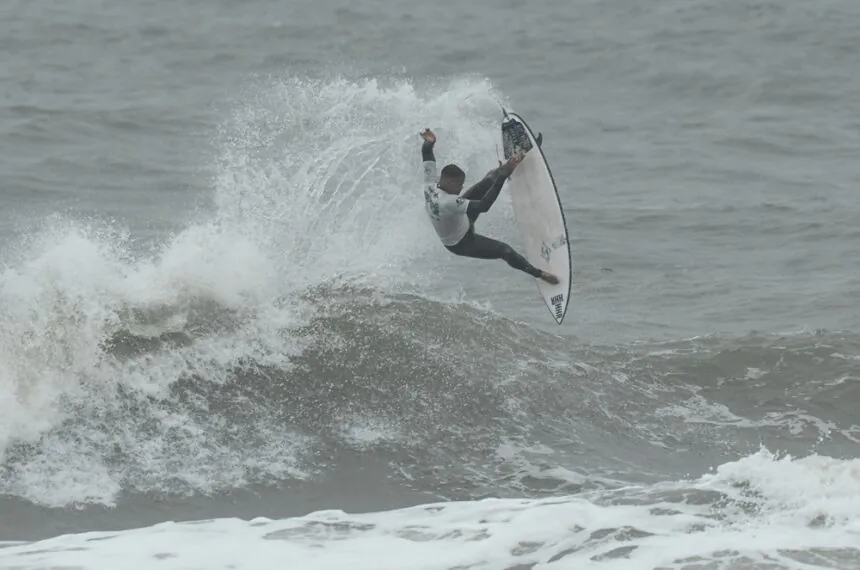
481	197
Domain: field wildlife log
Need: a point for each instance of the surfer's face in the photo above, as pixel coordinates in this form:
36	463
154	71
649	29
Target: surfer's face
451	184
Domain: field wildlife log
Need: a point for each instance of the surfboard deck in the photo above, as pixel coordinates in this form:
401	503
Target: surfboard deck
538	213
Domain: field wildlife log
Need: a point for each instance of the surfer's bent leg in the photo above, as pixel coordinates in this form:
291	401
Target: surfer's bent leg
481	247
477	191
490	186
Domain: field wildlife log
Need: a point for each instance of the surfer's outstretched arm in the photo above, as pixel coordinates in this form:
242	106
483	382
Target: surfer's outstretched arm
427	156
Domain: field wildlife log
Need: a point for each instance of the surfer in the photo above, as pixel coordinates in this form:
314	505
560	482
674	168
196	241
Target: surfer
453	214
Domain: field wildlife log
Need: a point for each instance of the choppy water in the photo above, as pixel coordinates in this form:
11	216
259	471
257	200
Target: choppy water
220	299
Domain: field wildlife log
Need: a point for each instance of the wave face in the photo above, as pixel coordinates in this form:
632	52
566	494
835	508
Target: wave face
186	368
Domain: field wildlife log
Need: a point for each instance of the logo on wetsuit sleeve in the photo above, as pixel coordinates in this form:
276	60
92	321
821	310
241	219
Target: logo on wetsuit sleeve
432	202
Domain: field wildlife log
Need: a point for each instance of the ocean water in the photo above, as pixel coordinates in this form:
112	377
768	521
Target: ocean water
229	337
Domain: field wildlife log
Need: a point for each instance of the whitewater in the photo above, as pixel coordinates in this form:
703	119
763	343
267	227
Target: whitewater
760	512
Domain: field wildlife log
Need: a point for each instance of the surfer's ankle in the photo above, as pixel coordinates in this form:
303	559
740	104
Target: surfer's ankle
549	278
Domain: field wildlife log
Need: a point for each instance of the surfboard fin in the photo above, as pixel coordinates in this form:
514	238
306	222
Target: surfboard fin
539	140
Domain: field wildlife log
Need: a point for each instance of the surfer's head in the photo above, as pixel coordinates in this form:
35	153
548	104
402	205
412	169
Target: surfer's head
451	179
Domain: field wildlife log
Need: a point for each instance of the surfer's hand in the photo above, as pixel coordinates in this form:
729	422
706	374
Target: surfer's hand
428	136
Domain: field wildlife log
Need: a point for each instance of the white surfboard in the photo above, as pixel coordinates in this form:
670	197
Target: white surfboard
538	213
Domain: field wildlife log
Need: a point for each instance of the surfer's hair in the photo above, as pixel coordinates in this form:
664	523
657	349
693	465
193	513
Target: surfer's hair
453	171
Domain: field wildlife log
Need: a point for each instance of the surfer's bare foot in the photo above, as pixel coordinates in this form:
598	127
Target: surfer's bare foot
549	278
508	167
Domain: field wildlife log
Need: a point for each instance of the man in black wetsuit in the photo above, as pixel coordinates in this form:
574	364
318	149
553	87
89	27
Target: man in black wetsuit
453	215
